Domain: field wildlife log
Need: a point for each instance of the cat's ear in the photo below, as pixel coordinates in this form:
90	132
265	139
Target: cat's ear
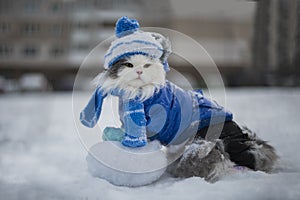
165	43
115	68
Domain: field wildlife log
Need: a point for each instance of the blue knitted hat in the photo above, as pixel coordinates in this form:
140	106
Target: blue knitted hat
132	41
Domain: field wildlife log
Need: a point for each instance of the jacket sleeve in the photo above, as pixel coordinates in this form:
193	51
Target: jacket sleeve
211	112
91	113
134	124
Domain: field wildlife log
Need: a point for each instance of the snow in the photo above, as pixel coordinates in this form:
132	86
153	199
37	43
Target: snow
42	157
126	166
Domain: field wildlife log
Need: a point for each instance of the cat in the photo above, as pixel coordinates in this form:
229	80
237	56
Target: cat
153	108
140	76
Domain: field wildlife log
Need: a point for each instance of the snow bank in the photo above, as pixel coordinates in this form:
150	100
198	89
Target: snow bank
125	166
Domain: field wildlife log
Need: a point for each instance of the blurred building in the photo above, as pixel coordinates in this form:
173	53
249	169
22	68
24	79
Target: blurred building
52	37
224	28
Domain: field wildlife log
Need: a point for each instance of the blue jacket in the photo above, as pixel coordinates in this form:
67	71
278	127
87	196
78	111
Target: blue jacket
171	115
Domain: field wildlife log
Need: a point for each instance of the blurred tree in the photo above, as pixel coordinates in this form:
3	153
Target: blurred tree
296	56
283	48
260	56
276	49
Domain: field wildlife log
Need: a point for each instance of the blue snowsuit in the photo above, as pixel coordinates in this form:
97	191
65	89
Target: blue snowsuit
171	115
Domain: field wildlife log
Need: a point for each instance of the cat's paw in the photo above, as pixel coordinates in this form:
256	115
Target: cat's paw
134	142
113	134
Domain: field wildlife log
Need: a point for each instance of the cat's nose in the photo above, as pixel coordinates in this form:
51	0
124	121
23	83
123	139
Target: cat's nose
139	72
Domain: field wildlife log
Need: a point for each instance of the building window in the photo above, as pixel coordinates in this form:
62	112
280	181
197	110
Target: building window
108	24
31	6
56	7
4	27
31	29
5	50
105	4
56	29
56	51
30	51
83	4
6	6
82	25
81	47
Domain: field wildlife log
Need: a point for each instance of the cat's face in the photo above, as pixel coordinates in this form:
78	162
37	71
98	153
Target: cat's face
138	71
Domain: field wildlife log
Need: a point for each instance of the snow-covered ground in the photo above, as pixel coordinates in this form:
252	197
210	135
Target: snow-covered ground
41	156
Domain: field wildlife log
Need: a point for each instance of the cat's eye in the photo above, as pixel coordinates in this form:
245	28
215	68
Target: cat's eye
147	65
128	65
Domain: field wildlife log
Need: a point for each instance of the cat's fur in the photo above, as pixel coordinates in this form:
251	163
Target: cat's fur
140	76
212	160
135	75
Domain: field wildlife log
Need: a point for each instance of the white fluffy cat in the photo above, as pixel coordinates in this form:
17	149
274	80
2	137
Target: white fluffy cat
136	75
